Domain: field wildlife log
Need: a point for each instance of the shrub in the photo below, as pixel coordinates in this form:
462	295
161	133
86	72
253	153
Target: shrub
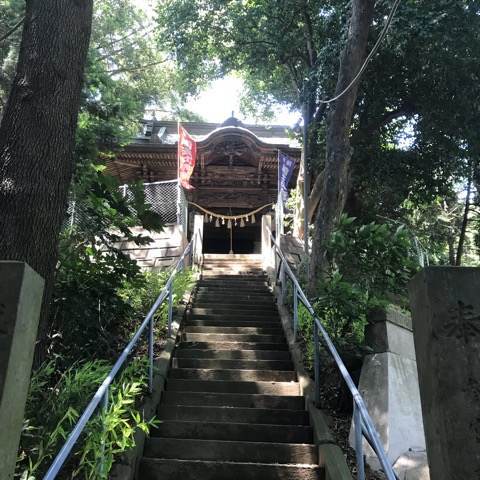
368	263
54	405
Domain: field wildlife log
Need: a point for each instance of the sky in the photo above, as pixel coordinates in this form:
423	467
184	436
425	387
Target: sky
218	101
222	97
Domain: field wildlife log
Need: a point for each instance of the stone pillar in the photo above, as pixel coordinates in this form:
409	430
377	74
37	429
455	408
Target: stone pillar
198	244
446	323
389	386
268	261
21	291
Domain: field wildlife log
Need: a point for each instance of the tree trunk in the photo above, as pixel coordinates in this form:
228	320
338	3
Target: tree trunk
315	194
463	228
338	151
37	135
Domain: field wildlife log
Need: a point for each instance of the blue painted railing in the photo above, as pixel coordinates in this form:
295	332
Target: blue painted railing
363	424
101	395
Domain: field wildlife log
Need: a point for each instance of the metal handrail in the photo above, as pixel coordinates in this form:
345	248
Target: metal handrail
363	424
101	395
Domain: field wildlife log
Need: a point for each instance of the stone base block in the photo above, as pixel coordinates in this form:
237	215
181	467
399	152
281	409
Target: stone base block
412	466
389	386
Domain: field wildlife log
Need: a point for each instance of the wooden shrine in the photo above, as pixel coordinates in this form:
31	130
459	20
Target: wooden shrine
236	164
236	170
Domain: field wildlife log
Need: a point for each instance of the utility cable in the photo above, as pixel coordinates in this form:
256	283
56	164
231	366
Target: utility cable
370	55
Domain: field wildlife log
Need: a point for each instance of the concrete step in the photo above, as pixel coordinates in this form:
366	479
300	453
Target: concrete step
217	277
214	288
234	431
219	386
251	307
233	375
231	281
232	354
228	261
222	296
160	469
272	317
235	310
229	345
277	330
234	415
234	400
233	256
243	273
237	269
233	451
206	321
244	268
232	288
232	364
237	337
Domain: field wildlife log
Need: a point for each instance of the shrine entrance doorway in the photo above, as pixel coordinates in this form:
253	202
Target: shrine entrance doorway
245	240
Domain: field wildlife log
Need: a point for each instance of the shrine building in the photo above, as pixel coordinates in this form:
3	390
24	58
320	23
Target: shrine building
236	173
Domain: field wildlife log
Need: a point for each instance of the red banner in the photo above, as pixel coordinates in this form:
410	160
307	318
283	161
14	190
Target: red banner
187	153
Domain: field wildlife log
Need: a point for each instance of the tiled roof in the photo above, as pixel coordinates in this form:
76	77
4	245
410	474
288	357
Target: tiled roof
165	132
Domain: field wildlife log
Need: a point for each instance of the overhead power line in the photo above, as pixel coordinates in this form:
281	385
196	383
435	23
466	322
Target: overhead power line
375	48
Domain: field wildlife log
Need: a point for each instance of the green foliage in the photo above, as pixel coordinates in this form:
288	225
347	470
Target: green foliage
142	295
11	13
60	389
413	134
378	258
266	41
52	410
87	313
54	404
112	431
369	263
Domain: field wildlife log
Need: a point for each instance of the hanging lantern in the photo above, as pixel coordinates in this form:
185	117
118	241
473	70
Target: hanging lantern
229	225
223	221
247	218
253	218
242	223
217	223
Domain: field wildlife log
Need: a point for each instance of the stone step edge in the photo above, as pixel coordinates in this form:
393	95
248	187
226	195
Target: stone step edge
229	462
187	392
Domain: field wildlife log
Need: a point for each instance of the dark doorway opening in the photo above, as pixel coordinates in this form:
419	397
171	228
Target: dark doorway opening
244	240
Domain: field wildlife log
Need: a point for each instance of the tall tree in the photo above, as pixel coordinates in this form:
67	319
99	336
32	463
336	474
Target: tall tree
37	133
279	46
338	150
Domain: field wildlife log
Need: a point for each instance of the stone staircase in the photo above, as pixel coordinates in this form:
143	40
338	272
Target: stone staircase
232	407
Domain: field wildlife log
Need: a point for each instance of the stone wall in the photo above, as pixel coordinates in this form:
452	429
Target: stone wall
163	252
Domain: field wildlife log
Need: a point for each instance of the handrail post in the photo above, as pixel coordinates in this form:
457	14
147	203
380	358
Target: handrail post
150	355
316	363
357	425
170	306
101	465
282	281
194	249
295	311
